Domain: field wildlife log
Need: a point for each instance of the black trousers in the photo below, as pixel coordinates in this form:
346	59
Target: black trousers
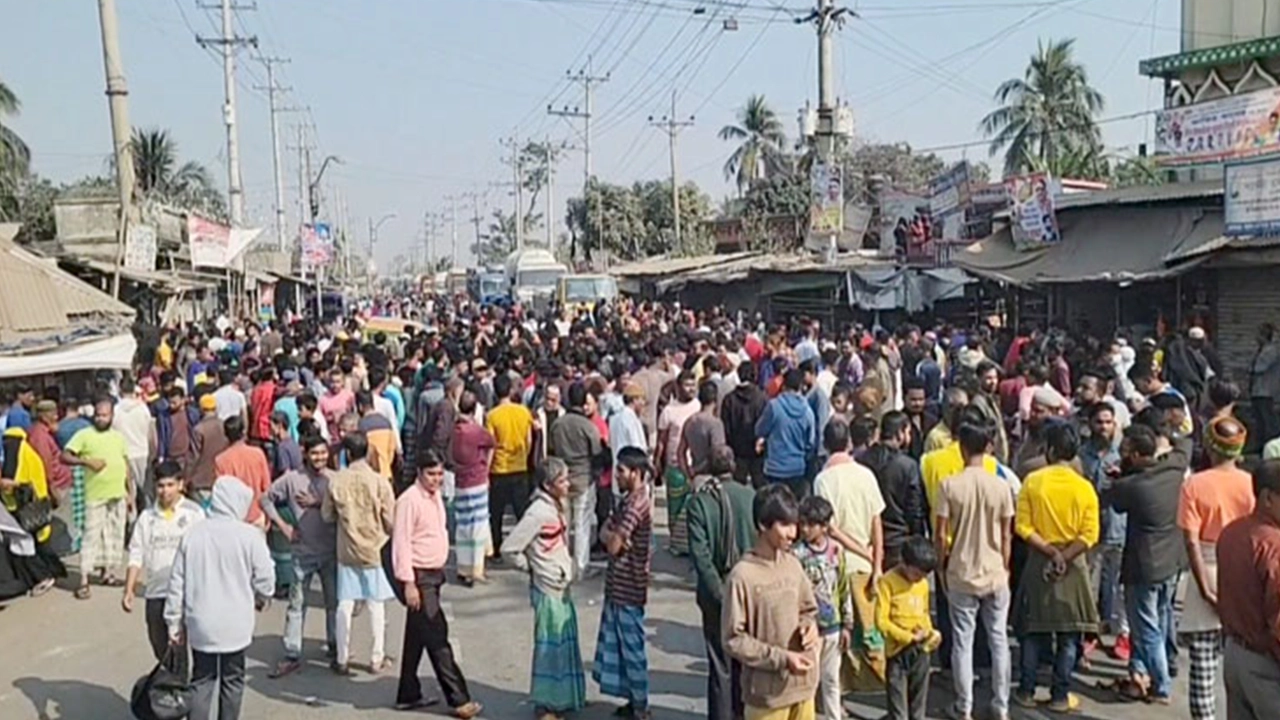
749	471
158	636
724	674
427	629
511	489
225	671
801	487
1268	423
908	681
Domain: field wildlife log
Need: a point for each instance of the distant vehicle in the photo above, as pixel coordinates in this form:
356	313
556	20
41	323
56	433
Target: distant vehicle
489	287
579	293
456	282
532	274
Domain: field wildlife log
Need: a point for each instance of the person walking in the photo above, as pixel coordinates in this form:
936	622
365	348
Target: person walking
974	538
109	491
133	420
721	531
420	550
293	503
208	440
221	574
156	537
360	501
471	448
539	546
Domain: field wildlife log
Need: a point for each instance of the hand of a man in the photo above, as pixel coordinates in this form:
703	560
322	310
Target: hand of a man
412	597
809	637
798	663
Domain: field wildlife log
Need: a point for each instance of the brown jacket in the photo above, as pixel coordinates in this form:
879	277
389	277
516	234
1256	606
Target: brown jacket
767	605
209	440
362	504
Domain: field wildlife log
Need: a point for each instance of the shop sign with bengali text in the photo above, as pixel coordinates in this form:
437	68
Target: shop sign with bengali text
1251	198
1230	128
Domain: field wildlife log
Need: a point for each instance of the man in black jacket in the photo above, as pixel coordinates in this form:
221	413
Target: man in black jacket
739	412
905	509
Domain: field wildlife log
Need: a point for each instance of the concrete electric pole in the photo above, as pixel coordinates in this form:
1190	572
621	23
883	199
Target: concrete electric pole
588	83
273	92
453	228
517	178
228	44
672	128
827	18
121	132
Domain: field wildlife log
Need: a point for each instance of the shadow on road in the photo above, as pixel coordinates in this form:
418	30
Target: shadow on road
72	700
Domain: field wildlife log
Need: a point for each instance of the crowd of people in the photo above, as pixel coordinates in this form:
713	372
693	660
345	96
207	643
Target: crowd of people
857	505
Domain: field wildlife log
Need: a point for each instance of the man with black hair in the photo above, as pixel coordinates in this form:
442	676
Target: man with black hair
511	425
721	530
575	439
702	434
922	417
380	434
1249	554
231	402
787	433
1146	380
974	538
770	615
953	401
905	511
739	411
245	463
1100	465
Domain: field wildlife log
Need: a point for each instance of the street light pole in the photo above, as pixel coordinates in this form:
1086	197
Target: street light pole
373	236
314	202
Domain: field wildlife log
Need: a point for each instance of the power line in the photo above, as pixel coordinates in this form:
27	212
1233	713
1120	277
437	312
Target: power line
1034	136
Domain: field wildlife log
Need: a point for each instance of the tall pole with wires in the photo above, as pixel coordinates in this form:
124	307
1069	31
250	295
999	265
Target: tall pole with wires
273	93
827	18
118	104
584	112
672	127
228	44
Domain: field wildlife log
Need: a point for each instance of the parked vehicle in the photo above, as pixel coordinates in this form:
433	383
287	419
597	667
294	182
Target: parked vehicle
579	293
532	274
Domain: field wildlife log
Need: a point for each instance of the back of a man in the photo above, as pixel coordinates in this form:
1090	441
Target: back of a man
979	508
381	436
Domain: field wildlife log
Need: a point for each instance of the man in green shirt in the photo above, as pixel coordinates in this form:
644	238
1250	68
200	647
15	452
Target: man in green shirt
108	496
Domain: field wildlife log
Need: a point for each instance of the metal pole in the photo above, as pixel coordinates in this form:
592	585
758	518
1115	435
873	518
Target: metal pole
273	91
118	104
235	193
551	185
675	176
826	131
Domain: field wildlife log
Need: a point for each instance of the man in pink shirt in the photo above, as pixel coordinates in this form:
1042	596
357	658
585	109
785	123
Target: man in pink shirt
339	401
419	551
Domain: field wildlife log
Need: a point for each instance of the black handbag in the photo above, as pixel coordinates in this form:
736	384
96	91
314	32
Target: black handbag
161	694
33	514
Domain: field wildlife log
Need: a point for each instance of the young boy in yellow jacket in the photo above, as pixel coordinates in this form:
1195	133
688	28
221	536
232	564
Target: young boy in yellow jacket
902	614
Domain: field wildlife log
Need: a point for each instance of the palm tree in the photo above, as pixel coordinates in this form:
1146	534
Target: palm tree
15	156
1045	113
156	169
760	151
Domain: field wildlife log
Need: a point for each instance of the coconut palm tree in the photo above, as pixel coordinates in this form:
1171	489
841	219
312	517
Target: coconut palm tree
156	168
760	151
15	156
1047	112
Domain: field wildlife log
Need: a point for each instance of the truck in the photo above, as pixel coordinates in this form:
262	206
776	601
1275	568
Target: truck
532	274
489	286
581	293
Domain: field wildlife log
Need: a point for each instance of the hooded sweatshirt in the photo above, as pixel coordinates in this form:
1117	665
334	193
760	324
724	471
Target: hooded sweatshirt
790	436
739	411
220	566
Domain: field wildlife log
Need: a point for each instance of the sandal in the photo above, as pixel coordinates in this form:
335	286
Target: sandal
285	667
42	587
112	582
468	711
83	593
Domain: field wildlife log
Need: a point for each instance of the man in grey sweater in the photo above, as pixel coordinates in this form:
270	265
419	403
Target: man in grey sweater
222	569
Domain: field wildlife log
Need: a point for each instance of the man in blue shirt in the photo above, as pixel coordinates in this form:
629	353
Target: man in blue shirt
20	411
1100	460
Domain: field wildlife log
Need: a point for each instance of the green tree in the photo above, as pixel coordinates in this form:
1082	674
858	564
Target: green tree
896	163
15	156
160	176
1046	113
761	144
498	241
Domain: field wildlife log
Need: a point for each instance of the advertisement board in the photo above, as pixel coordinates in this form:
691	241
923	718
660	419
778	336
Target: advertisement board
317	245
209	242
826	204
1251	198
1033	218
1230	128
906	227
140	248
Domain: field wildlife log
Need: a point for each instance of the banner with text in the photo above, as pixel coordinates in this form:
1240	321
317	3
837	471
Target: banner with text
140	248
1033	219
1231	128
1251	204
209	242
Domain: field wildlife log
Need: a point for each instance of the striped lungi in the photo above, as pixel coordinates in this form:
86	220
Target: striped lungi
473	543
621	665
559	685
77	508
103	546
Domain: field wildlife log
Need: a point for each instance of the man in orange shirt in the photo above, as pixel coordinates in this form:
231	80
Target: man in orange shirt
245	463
1209	501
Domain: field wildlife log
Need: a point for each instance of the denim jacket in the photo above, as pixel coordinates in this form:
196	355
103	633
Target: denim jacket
1095	461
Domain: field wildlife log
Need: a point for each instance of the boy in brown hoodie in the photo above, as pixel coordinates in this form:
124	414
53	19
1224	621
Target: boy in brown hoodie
770	616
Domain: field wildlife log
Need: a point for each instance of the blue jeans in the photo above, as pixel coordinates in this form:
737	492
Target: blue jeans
1037	645
303	572
1150	609
1105	566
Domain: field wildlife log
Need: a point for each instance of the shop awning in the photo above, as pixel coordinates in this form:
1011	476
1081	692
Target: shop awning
1099	244
111	353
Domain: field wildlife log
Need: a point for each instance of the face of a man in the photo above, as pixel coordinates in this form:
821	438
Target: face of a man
1088	391
915	402
432	478
103	414
780	536
1039	414
552	400
1103	425
990	381
688	388
168	490
318	457
840	403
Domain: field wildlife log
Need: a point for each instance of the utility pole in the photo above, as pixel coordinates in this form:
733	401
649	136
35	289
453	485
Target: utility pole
672	127
453	228
517	175
551	203
475	218
588	82
229	42
118	105
273	91
827	18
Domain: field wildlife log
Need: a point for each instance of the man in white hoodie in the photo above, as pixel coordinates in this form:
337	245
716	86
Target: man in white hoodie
222	570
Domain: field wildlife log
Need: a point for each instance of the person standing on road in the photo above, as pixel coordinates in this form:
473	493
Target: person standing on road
155	542
539	545
247	464
109	491
740	410
133	420
420	550
788	433
575	439
471	452
511	425
293	503
208	440
1249	554
721	531
221	574
362	504
974	537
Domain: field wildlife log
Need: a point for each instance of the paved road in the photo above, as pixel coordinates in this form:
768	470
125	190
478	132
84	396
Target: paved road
61	659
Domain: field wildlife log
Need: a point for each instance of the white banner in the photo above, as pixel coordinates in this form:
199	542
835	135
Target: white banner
1251	204
1231	128
140	248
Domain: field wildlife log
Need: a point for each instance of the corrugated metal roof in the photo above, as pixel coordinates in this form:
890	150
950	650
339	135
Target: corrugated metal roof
1222	242
36	296
664	266
1141	194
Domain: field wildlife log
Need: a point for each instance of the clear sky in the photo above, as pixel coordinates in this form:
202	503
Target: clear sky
414	95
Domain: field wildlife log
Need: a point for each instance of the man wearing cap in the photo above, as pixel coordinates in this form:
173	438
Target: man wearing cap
58	474
626	428
208	440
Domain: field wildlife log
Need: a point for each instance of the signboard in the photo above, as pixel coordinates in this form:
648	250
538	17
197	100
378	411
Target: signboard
949	191
1032	216
826	206
266	301
209	242
1251	200
906	228
1231	128
140	248
317	245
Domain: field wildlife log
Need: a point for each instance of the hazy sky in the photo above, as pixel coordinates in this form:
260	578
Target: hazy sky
414	95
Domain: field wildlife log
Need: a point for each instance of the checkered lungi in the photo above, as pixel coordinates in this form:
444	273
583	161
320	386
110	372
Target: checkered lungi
103	545
77	508
1206	659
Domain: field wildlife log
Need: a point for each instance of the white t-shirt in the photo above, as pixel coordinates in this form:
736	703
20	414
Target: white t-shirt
133	420
155	543
855	497
231	402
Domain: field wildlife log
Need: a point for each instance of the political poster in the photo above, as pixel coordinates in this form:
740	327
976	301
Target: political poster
140	248
1230	128
1251	198
316	242
1033	218
826	207
906	227
209	242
